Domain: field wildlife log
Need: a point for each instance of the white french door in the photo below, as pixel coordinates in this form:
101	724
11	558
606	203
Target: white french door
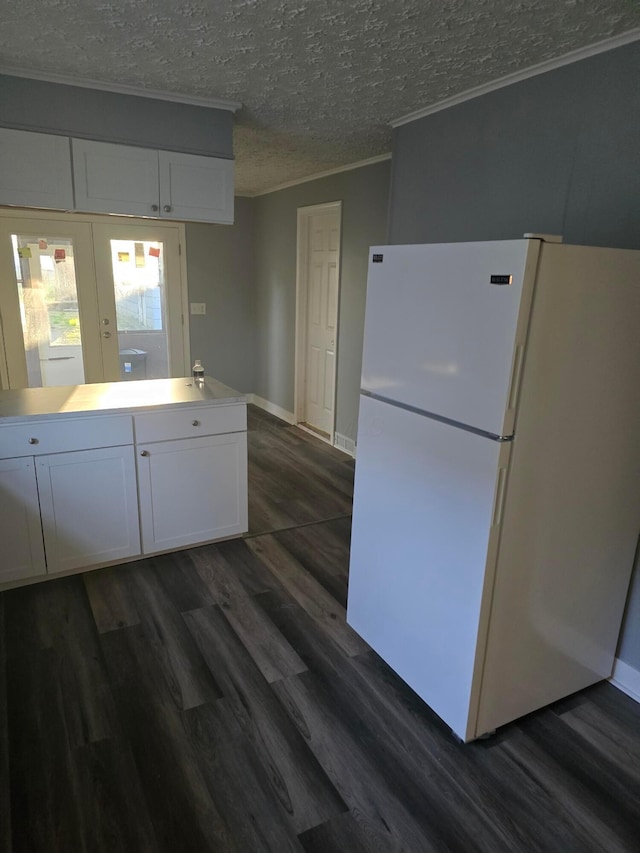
88	301
140	312
45	305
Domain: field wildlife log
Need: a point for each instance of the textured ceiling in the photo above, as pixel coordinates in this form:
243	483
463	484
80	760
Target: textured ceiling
319	79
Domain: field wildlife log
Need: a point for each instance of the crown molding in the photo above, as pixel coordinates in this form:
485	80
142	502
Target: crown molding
136	91
525	74
369	162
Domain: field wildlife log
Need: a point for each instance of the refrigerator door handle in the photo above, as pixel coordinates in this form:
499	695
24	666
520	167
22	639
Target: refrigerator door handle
500	495
516	376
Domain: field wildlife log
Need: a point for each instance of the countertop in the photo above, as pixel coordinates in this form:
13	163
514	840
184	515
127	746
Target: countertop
113	398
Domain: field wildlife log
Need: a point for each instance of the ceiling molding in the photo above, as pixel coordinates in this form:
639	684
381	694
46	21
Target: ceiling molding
136	91
368	162
532	71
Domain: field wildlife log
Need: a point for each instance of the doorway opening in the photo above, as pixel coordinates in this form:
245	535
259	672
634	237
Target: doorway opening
317	306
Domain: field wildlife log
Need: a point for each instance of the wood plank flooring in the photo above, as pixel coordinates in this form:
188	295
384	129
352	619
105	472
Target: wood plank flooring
215	700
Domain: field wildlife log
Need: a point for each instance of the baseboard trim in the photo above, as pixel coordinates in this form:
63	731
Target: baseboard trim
272	408
626	678
344	443
340	442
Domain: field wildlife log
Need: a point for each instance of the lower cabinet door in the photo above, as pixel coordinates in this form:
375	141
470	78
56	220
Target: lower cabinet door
192	490
20	530
89	507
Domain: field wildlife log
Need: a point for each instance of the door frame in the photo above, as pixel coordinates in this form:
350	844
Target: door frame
92	219
302	290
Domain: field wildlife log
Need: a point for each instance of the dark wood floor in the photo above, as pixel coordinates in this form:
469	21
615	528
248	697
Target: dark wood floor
215	700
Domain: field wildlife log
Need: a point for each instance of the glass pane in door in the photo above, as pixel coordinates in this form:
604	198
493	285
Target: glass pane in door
46	276
140	294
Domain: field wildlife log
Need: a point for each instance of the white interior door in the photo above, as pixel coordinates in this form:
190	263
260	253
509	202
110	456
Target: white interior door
139	300
321	274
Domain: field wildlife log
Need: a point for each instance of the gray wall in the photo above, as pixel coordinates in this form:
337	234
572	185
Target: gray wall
220	268
111	117
559	153
364	196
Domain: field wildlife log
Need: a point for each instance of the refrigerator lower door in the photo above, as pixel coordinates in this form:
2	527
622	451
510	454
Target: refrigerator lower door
425	520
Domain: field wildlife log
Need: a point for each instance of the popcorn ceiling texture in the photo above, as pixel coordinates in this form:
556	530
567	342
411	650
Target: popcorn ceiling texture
319	79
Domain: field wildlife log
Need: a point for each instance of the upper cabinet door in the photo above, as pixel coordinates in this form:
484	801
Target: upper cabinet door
35	170
115	178
197	188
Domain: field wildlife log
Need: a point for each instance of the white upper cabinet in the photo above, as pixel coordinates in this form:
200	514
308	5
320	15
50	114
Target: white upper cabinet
142	182
115	178
193	187
35	170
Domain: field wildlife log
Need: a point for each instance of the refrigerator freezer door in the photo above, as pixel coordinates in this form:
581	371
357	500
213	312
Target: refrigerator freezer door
441	337
423	540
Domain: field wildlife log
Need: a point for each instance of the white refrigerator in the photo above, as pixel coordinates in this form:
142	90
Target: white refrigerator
497	488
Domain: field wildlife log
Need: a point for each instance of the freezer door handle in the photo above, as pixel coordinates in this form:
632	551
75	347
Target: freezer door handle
500	495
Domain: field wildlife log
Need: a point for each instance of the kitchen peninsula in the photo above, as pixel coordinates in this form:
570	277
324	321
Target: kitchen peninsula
93	475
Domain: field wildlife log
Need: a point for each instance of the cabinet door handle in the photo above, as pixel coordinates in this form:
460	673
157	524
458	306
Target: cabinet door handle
144	453
33	441
167	208
195	423
154	207
106	334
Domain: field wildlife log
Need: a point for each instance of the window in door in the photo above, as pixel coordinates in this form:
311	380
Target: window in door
50	319
139	291
140	306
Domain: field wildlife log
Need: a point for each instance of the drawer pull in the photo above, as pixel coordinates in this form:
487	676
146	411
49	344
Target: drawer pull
144	453
33	441
195	423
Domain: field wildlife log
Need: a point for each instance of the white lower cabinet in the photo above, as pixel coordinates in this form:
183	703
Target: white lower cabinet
89	507
192	490
78	500
20	530
72	503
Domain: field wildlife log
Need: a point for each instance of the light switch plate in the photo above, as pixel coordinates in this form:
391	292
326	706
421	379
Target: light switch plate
198	307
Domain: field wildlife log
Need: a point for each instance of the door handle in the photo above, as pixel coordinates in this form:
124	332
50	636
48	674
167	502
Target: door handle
106	334
144	453
167	208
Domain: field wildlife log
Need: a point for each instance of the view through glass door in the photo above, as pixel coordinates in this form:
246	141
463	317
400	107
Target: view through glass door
140	315
48	313
89	302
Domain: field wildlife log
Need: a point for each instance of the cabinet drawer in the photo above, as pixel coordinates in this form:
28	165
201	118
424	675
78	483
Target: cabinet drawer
191	422
60	436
